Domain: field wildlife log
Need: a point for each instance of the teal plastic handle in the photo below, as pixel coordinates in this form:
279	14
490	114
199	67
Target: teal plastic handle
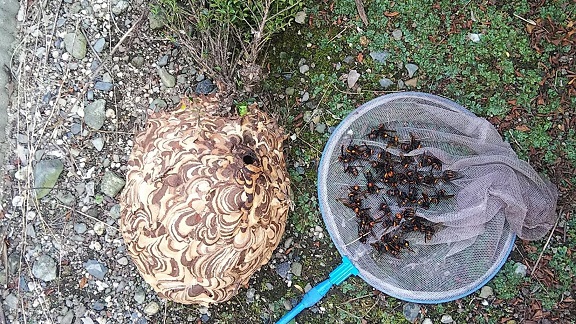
343	271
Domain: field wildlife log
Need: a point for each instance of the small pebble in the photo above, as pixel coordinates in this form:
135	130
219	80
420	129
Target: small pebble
123	261
287	304
98	305
520	269
289	91
282	269
353	77
99	45
296	268
137	61
486	292
139	296
300	17
446	319
427	321
379	56
412	68
96	269
80	228
152	308
44	268
103	86
397	34
411	311
98	143
305	96
250	295
304	68
162	61
99	228
385	83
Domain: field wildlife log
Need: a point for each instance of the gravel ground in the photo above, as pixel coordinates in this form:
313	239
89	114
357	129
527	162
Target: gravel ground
88	73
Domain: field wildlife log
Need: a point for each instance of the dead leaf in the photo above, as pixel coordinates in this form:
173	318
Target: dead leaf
83	282
361	12
391	14
360	57
522	128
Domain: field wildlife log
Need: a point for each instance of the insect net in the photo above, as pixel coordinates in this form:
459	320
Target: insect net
496	197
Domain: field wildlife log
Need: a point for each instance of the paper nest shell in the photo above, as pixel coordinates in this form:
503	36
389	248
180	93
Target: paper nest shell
205	202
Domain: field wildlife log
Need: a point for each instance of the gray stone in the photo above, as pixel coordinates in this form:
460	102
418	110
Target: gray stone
168	80
353	77
162	61
446	319
98	143
397	34
103	86
200	77
380	56
76	44
348	59
68	318
305	96
412	68
205	87
99	44
282	269
98	305
304	68
90	95
12	302
158	104
123	261
385	82
95	114
96	269
46	173
137	61
427	321
30	231
75	128
296	268
300	17
65	197
486	292
80	228
115	211
44	268
520	269
181	79
139	296
13	262
411	311
250	295
120	7
111	184
152	308
155	21
320	128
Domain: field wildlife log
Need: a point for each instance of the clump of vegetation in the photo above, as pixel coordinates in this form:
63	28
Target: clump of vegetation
225	37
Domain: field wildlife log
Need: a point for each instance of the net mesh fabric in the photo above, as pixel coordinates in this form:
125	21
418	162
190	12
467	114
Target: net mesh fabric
497	196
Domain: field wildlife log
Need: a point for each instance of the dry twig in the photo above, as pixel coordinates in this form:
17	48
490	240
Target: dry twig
545	246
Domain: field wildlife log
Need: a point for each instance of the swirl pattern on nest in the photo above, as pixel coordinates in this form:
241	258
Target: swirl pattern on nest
205	202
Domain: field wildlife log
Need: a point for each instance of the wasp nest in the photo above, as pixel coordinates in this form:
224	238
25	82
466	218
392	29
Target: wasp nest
205	201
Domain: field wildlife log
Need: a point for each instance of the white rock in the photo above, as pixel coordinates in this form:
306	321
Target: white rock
99	228
353	77
152	308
